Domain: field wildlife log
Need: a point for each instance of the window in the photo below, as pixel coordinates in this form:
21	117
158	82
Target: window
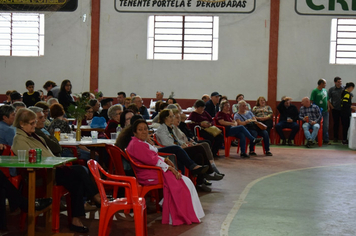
21	34
343	41
183	38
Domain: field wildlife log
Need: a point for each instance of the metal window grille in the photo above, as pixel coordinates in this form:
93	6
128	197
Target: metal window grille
21	34
183	37
343	41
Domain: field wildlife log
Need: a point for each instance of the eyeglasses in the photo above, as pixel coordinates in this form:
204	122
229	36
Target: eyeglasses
33	123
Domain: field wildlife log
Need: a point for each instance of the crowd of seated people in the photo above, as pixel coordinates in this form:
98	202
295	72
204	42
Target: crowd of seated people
31	122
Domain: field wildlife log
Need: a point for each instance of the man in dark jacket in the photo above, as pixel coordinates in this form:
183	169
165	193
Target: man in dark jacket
288	119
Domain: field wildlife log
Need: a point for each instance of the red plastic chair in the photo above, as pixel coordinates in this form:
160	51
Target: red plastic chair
110	207
15	180
297	140
320	134
156	141
227	141
116	154
145	189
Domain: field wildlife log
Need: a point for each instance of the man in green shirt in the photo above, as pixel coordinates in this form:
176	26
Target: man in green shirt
319	97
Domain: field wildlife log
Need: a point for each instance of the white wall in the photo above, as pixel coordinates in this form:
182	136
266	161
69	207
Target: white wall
243	58
304	47
66	54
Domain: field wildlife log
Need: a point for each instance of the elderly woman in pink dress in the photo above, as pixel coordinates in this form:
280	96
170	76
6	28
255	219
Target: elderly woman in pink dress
181	203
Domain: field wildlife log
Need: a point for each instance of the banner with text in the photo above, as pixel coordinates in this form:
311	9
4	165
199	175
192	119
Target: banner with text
186	6
326	7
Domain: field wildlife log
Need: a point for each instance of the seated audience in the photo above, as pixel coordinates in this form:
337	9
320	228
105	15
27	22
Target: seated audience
57	113
235	107
154	114
18	105
127	102
95	105
74	178
106	104
205	98
212	106
7	131
45	111
183	159
190	142
167	137
159	96
114	114
247	119
311	116
162	106
15	97
263	113
64	96
171	101
52	101
125	117
224	118
52	89
288	118
141	108
181	203
8	98
132	95
202	118
121	96
133	108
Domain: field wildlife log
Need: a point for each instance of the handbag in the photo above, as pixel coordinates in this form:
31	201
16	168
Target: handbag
261	126
213	130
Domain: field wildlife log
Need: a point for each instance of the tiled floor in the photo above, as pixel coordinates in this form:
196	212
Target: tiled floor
225	215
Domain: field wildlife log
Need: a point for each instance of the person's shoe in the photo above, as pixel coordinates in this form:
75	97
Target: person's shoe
326	143
203	188
213	176
79	229
345	142
235	143
253	154
216	156
284	142
257	140
207	183
269	153
309	143
244	156
42	203
290	142
200	170
221	173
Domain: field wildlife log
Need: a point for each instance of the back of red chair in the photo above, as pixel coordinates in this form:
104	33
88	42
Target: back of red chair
115	154
156	141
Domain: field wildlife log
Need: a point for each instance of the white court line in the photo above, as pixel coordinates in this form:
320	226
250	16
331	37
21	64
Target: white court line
224	231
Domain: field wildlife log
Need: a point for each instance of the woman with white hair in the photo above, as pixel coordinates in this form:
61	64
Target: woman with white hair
114	113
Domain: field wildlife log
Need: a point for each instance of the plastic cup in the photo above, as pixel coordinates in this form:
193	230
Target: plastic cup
94	136
113	136
21	154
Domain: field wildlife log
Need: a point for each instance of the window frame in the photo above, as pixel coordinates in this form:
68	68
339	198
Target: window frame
183	37
22	34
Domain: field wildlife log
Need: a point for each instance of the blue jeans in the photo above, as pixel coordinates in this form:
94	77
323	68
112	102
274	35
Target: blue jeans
241	133
325	115
306	126
264	135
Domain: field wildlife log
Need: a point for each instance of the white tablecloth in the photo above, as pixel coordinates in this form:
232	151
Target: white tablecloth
352	132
